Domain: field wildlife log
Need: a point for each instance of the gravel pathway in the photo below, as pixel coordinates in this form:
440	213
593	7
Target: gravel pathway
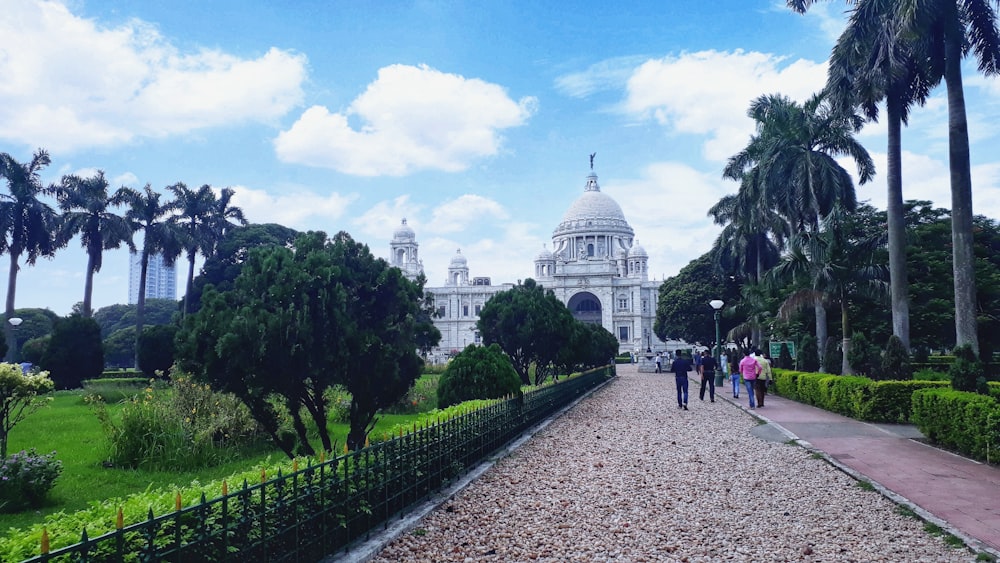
627	476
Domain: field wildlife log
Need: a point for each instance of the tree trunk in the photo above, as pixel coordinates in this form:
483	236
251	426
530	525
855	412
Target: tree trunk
189	285
821	330
898	284
845	363
963	262
8	329
88	286
140	304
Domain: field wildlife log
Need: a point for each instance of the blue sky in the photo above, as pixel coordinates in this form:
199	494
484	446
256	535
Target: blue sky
474	120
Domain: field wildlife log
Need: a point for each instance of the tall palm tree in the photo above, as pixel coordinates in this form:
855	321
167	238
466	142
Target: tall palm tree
833	263
871	62
160	236
221	215
86	208
944	31
27	225
196	218
795	148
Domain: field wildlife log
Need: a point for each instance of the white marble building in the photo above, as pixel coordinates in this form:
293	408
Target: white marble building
596	267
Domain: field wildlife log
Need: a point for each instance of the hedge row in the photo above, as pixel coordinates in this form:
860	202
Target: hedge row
853	396
959	420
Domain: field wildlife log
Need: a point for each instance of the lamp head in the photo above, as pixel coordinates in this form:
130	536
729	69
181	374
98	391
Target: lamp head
15	321
716	304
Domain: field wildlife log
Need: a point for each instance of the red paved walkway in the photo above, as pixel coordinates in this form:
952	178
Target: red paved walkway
961	492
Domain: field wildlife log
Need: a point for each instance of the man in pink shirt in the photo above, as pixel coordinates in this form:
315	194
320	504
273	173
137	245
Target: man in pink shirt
749	369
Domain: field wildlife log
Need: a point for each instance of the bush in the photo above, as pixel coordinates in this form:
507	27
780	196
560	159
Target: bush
75	352
26	478
863	356
965	370
33	350
20	395
156	349
808	357
478	372
113	390
422	397
891	401
833	357
959	420
785	357
896	360
930	374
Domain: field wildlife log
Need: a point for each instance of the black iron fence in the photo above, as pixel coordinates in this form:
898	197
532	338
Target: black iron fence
323	508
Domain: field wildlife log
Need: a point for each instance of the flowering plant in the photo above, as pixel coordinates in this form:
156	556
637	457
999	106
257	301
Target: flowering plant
25	478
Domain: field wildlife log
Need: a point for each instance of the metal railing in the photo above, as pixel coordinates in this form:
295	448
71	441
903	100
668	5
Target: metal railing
323	508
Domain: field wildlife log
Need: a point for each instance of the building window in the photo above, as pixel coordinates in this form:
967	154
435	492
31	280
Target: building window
465	310
623	304
645	305
479	309
623	333
441	312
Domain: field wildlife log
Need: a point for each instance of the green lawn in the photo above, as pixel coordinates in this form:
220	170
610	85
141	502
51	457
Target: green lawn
68	426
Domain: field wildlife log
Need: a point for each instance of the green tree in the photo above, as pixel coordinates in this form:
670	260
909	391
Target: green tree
530	325
784	360
807	359
966	370
27	224
832	357
119	348
682	309
113	318
20	395
156	349
863	357
224	265
86	210
478	372
896	360
34	349
159	236
944	32
75	352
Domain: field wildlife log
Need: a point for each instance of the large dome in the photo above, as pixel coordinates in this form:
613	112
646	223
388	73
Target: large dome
594	211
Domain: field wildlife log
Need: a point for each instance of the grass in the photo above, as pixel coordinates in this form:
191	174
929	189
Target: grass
866	486
68	426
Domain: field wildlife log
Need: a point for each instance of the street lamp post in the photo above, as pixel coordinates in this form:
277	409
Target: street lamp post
14	323
717	305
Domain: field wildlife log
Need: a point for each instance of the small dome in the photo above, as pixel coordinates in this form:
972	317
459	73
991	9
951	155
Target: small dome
458	261
637	251
403	232
545	255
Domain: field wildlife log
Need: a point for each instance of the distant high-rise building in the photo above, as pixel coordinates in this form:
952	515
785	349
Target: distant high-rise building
161	279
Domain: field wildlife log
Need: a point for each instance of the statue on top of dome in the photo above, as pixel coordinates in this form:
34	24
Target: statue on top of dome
592	155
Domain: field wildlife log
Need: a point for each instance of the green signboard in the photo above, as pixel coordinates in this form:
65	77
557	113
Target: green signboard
775	349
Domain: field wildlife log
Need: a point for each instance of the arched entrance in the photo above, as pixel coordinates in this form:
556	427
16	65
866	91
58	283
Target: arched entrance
586	307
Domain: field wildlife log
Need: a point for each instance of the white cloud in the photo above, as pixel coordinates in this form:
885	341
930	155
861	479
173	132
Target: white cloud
458	214
382	219
708	93
297	208
412	118
608	74
69	83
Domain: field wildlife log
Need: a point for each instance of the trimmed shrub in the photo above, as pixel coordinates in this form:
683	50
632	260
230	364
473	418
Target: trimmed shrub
896	360
891	401
965	370
833	357
75	352
156	349
786	383
478	372
845	394
959	420
808	357
863	357
785	357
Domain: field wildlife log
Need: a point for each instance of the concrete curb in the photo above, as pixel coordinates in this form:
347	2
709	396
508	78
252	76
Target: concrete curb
368	549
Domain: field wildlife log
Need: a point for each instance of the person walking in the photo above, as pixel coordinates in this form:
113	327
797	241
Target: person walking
749	368
763	379
724	366
681	366
707	376
659	362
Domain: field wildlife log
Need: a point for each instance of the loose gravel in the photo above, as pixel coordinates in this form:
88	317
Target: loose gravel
627	476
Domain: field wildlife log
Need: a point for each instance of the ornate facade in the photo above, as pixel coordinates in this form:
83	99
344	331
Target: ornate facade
596	267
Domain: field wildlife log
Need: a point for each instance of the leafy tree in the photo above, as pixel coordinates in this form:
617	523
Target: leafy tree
784	357
589	346
682	309
832	357
34	350
75	352
299	320
147	214
119	348
86	208
530	325
27	225
864	357
20	395
478	372
896	360
222	267
113	318
808	357
156	349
